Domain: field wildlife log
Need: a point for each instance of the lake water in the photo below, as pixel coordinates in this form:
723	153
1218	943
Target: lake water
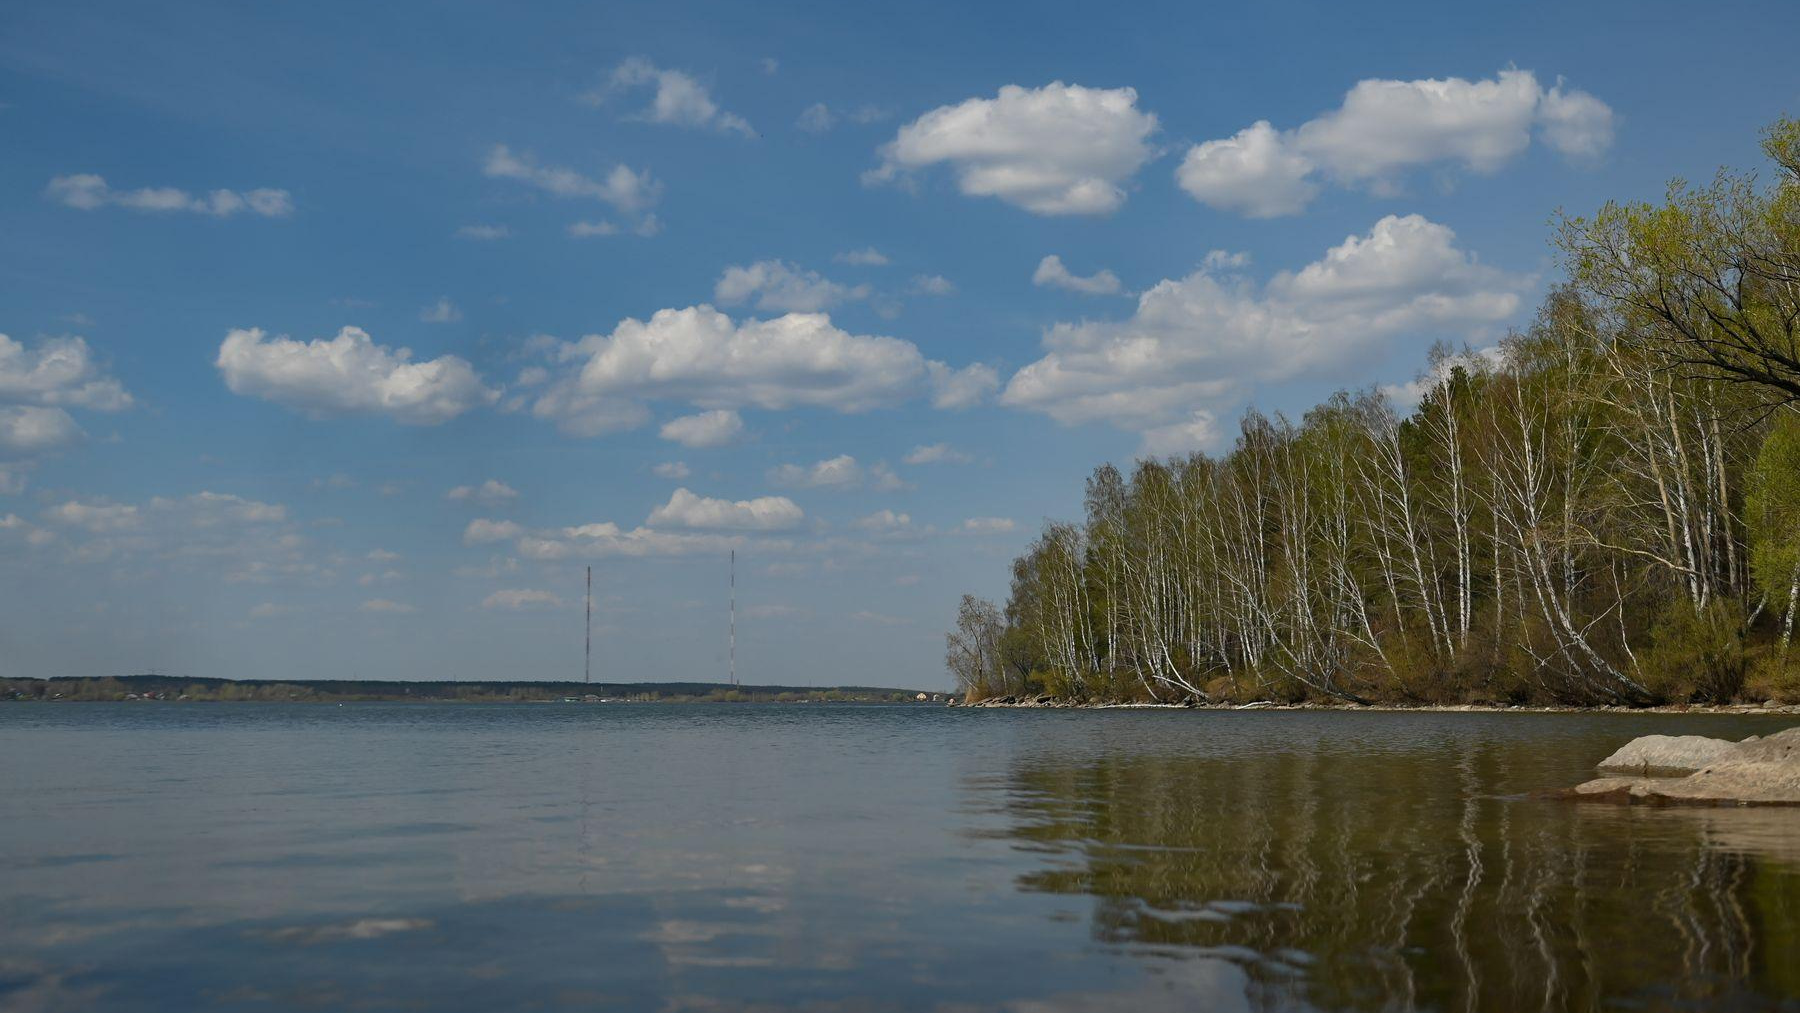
158	856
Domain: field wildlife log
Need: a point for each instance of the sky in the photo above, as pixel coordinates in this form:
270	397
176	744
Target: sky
340	339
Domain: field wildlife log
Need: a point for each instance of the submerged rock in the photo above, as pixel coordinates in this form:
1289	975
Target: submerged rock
1665	755
1756	771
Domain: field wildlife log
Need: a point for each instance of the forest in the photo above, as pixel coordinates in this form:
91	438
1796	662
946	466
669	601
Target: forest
1603	508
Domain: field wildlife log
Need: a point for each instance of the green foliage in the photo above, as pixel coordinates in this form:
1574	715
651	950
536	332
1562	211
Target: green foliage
1697	654
1772	508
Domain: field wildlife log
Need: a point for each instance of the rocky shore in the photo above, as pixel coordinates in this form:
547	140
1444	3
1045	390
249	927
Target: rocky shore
1694	770
1046	701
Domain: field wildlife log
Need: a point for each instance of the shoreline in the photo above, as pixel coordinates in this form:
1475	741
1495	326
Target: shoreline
1467	708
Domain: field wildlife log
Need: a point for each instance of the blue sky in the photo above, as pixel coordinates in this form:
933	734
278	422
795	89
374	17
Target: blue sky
340	338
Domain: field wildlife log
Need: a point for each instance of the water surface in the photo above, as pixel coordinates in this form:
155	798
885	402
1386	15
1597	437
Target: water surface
161	856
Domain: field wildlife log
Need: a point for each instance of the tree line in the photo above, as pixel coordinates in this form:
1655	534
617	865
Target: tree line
1604	508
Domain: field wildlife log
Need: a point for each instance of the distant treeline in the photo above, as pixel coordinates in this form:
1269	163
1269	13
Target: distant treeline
1603	509
169	687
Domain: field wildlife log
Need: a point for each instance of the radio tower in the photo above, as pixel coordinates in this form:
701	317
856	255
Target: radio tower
587	646
734	617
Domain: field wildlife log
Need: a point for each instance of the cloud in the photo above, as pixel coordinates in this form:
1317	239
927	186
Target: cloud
1051	273
269	610
29	430
201	510
1056	150
441	312
386	606
647	226
491	493
679	99
1197	343
841	472
883	522
707	429
933	284
57	372
1575	123
608	540
878	619
675	470
246	539
1199	431
97	518
627	191
775	612
938	453
769	65
816	118
89	192
1384	127
783	287
956	389
587	230
12	477
483	233
702	357
349	374
868	256
381	556
1253	173
820	118
520	599
481	530
686	510
986	526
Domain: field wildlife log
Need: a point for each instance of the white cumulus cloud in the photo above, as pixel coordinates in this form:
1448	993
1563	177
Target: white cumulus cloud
482	530
1057	150
89	192
1199	342
349	374
1384	127
705	429
29	430
1052	273
483	233
868	256
628	191
986	526
387	606
938	453
491	493
57	372
841	472
678	99
702	357
883	522
441	312
782	287
688	510
519	599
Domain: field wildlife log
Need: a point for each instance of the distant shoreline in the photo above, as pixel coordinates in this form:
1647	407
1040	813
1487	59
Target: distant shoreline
159	688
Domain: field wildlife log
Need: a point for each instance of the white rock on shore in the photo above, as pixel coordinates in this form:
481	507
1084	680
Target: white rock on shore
1665	755
1756	771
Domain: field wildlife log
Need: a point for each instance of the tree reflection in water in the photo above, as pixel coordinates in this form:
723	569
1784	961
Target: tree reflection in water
1411	879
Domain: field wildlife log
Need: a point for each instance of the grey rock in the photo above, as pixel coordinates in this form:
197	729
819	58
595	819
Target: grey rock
1756	771
1665	755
